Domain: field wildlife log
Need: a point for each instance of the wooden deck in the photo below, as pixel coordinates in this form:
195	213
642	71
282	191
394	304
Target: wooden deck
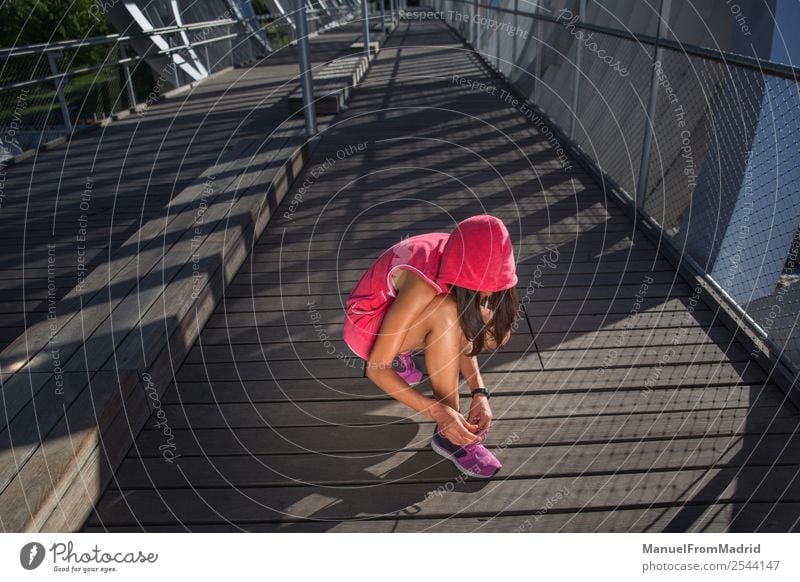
621	404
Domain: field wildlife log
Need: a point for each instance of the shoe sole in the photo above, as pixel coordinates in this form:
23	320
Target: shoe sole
413	383
439	450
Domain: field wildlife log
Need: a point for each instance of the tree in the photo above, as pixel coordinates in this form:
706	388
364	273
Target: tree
31	22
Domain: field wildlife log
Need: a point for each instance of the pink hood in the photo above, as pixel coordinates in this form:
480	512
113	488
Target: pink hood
479	255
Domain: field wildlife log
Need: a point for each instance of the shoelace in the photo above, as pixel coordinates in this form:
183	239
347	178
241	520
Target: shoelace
405	361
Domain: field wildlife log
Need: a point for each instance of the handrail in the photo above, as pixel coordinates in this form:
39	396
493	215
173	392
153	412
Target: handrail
34	49
718	55
117	39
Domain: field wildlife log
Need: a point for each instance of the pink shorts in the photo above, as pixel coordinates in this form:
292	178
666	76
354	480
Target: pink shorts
360	329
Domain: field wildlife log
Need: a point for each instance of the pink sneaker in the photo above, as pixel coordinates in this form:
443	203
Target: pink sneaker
474	460
405	367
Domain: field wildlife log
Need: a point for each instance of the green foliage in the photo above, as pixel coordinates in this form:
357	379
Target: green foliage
37	21
260	6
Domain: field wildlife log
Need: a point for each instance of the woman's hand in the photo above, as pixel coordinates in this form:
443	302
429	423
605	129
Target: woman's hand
454	427
480	412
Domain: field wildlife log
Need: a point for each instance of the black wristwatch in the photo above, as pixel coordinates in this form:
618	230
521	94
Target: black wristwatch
483	391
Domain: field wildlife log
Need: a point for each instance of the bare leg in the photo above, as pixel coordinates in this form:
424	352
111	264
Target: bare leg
439	333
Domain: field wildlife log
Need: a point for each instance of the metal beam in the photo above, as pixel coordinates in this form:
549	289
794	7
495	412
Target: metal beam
365	19
576	79
306	80
644	165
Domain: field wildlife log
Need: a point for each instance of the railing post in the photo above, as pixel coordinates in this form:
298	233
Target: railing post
470	12
208	59
51	59
644	166
477	44
514	42
175	78
230	49
499	37
306	80
383	19
576	79
365	27
537	73
128	81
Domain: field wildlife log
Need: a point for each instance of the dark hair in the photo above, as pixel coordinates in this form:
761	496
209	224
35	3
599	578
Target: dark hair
505	305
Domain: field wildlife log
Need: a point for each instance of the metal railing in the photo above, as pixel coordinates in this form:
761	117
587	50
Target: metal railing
49	90
701	143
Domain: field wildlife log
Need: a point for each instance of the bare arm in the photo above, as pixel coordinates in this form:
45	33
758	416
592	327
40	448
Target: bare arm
414	296
471	372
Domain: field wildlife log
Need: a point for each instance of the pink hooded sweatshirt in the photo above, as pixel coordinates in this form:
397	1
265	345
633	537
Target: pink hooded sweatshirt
477	255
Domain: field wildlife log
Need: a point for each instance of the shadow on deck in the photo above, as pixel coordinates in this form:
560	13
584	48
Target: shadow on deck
623	403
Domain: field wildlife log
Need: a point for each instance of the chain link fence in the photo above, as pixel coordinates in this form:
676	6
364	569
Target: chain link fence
714	133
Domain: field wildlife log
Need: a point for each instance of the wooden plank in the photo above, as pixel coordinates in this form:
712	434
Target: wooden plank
53	460
748	484
697	517
567	244
343	285
700	518
344	365
542	382
314	356
266	278
621	252
371	438
644	356
541	322
290	322
273	343
426	466
301	351
363	412
324	301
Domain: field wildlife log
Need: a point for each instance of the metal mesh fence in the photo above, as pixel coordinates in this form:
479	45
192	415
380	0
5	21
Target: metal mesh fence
611	113
722	177
28	115
552	93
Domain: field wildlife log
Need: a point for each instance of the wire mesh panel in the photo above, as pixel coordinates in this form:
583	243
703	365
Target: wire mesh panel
525	49
559	49
459	16
639	17
93	95
29	115
612	104
725	184
505	33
